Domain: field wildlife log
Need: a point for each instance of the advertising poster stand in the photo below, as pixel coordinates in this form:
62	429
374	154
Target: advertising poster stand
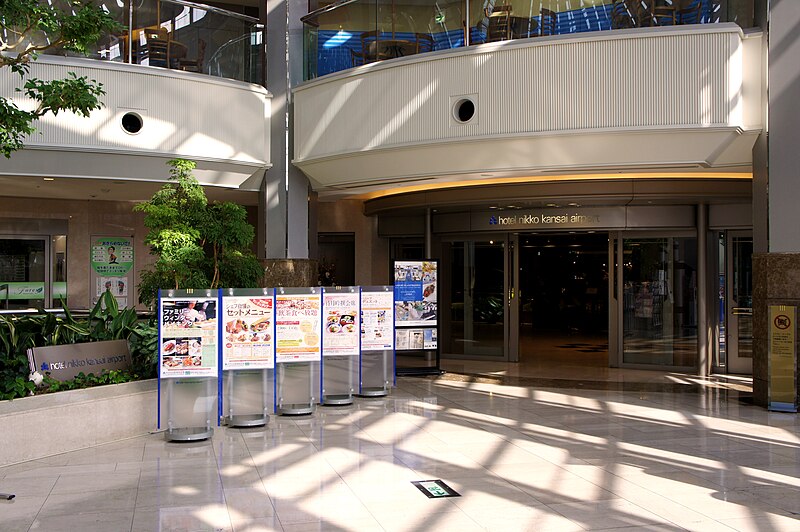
298	326
416	317
188	341
247	324
376	363
341	329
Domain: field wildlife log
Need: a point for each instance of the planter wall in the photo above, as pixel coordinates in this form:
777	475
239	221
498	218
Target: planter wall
45	425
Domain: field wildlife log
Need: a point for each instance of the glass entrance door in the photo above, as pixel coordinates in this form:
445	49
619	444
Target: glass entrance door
659	301
739	296
478	313
24	272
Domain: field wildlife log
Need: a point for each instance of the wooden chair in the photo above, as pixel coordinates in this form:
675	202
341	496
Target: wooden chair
499	28
154	46
424	43
626	14
548	22
194	65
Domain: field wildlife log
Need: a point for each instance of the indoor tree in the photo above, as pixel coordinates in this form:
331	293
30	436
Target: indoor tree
198	244
29	27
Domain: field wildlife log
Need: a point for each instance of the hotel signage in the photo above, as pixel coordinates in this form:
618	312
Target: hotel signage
533	219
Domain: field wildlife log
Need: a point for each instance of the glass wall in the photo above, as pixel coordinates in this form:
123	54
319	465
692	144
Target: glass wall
350	33
660	301
225	40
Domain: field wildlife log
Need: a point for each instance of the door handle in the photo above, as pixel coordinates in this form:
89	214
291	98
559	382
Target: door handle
744	311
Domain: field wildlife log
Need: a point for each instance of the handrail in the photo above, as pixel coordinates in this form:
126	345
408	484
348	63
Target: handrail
213	9
218	52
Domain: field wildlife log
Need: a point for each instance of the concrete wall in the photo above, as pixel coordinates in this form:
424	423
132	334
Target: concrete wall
44	425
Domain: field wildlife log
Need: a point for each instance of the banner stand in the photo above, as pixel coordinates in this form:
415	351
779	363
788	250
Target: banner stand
188	349
340	344
298	315
247	330
195	433
376	359
242	388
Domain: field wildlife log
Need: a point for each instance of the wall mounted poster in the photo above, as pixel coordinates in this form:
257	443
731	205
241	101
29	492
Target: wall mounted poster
415	291
188	339
297	327
247	340
377	320
112	261
342	323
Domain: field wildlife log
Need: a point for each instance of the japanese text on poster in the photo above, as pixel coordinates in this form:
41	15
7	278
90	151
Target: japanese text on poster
297	327
377	320
247	341
341	328
188	337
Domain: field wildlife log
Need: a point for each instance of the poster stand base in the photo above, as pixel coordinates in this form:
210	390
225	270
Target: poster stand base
373	392
189	434
247	420
296	410
337	400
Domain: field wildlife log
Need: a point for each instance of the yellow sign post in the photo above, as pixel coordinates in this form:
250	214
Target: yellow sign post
782	358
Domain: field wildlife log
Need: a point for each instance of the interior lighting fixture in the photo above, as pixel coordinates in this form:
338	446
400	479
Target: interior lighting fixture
49	178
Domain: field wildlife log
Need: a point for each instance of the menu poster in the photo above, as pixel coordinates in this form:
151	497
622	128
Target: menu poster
415	291
341	326
297	327
247	341
377	320
188	339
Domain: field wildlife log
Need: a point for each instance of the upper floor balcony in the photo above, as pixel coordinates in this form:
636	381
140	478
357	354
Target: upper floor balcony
225	40
350	33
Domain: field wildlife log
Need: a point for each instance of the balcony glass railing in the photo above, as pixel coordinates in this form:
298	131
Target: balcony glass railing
350	33
223	41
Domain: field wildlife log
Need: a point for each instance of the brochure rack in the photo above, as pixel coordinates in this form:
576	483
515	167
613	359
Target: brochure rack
247	326
376	361
341	329
188	336
298	314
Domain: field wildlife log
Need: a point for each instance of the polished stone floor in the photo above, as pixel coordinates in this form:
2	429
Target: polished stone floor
524	451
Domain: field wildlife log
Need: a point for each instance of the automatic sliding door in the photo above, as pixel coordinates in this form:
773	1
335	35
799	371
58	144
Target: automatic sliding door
659	277
740	307
478	305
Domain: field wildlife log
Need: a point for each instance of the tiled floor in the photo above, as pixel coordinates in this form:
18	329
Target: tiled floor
522	456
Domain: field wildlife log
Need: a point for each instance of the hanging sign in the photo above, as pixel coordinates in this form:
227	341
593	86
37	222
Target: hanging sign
248	337
188	337
377	320
297	327
342	323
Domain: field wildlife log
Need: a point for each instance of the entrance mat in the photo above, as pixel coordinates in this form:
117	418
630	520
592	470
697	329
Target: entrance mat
435	489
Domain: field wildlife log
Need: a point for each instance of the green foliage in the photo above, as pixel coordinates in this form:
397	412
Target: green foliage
82	380
28	27
105	322
143	345
198	245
